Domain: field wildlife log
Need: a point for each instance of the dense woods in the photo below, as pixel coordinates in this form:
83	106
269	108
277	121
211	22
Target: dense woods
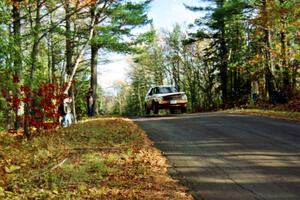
50	50
55	142
241	53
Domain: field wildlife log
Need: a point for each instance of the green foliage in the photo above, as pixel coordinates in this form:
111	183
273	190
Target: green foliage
46	44
147	37
241	48
115	34
2	115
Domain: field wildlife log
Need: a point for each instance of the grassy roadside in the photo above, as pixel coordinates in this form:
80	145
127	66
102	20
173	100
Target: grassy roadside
109	158
293	116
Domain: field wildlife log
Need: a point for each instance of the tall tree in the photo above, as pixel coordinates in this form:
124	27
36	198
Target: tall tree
114	22
35	26
17	43
174	56
215	26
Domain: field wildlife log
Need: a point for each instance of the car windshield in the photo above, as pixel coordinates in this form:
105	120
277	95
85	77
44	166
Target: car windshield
163	90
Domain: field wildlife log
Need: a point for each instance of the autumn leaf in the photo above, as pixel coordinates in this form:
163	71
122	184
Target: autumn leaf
107	158
12	168
1	192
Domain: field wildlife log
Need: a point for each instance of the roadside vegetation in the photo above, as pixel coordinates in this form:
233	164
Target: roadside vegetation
237	54
288	115
240	53
51	49
106	158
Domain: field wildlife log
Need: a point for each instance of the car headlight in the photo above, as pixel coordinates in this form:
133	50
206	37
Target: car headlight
159	99
184	97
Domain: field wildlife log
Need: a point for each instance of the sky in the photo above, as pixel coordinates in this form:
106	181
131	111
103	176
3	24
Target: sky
165	14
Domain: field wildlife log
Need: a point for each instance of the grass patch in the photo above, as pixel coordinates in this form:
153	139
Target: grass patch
106	158
295	116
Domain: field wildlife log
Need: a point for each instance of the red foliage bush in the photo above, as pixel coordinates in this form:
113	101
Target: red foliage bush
43	103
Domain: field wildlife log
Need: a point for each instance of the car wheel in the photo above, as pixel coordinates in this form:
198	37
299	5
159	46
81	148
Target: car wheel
155	108
172	110
147	110
183	110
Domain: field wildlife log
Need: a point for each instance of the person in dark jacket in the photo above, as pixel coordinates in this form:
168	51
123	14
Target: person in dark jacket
90	103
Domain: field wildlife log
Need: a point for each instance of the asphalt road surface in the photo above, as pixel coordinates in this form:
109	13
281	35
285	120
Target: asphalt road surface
230	156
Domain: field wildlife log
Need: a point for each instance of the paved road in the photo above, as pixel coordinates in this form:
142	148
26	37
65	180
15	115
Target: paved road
230	156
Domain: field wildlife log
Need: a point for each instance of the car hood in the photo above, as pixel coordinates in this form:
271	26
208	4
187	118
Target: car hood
169	94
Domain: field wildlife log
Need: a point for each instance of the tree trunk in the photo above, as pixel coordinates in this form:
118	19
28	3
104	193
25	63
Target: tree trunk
223	56
49	58
269	86
79	56
236	70
284	64
94	84
295	66
69	49
69	56
18	53
17	41
51	53
224	63
74	104
34	60
175	74
94	61
178	76
140	99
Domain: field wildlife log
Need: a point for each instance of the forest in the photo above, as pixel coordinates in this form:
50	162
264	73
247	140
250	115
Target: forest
242	53
50	49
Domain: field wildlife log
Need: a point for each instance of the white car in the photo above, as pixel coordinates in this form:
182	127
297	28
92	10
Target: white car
165	97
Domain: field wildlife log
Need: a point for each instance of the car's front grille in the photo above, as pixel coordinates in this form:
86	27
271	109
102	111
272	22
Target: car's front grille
172	97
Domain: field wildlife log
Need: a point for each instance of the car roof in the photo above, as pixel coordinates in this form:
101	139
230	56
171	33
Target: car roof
164	86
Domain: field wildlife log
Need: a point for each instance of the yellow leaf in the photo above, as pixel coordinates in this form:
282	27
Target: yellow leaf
55	191
12	168
1	192
82	188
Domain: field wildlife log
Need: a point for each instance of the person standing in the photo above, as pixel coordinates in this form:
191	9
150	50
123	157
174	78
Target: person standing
61	113
90	103
66	112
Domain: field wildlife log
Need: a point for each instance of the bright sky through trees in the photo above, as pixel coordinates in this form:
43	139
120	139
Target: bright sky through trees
221	53
165	14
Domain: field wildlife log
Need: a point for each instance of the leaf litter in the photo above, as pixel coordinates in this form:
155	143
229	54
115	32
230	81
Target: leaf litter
104	158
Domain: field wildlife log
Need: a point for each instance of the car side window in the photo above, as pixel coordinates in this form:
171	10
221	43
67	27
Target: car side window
150	93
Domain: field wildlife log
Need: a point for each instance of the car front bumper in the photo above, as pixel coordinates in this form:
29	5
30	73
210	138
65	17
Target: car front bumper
172	104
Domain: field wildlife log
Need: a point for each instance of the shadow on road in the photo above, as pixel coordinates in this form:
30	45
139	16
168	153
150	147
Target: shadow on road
230	156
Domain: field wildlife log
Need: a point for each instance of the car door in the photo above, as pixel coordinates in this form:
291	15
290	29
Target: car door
149	98
155	93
